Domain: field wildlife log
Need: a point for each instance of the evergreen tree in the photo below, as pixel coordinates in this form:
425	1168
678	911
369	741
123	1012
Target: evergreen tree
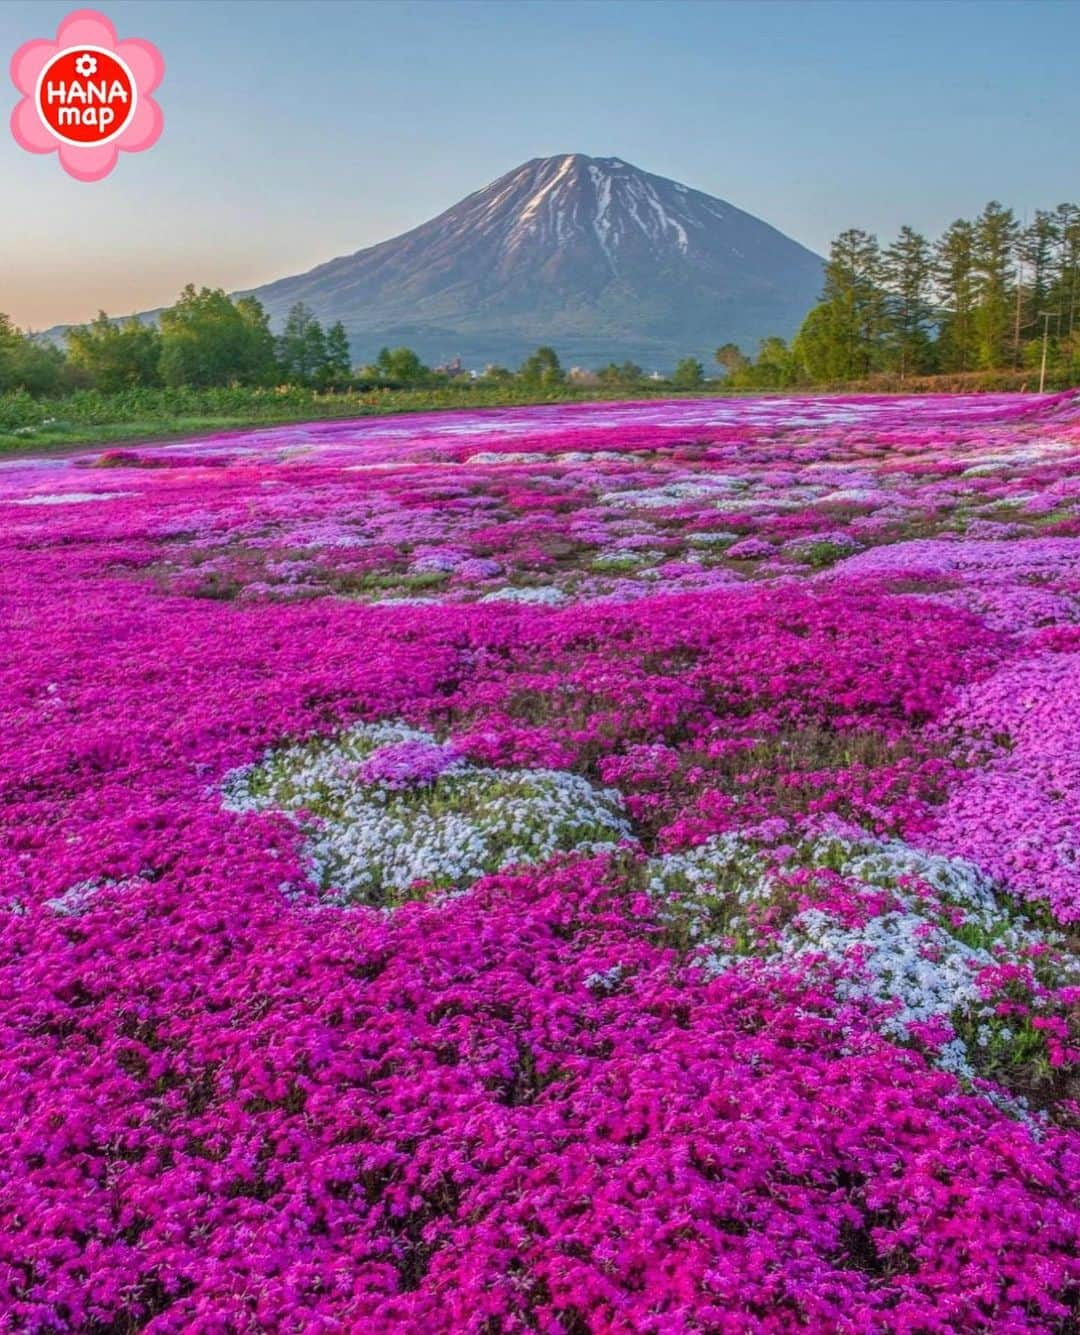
907	268
1065	294
954	274
841	338
338	371
301	349
969	301
994	241
1037	249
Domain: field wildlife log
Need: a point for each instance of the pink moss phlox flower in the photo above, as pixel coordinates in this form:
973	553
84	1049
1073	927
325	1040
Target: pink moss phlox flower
407	764
229	1104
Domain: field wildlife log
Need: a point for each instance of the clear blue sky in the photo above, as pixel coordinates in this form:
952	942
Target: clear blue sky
299	131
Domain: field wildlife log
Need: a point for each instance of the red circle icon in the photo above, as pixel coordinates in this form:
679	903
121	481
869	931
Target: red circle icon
85	95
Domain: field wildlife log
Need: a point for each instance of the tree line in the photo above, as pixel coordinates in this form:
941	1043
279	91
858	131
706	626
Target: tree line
205	339
989	294
986	295
208	339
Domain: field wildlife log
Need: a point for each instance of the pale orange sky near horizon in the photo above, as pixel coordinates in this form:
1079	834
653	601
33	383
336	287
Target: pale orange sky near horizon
64	292
297	132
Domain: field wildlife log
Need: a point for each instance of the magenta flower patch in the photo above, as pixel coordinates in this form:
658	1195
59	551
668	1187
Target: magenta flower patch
407	764
716	976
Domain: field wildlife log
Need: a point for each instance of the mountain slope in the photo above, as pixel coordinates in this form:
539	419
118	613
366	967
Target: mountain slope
591	254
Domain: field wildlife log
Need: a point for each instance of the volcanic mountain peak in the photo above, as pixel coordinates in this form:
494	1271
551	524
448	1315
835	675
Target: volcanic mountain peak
603	260
550	198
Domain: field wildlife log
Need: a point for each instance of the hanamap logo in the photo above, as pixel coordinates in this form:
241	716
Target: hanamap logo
87	95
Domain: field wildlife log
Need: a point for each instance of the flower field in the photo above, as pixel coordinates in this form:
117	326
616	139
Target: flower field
598	868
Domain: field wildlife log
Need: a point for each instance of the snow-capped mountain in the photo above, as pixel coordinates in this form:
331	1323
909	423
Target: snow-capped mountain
601	259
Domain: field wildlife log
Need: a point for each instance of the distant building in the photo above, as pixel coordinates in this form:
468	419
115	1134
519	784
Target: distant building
581	375
452	370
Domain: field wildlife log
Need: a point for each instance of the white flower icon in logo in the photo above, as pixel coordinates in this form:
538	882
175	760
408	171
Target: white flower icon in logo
87	124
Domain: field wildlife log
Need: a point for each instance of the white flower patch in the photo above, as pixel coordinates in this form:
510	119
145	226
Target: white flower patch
72	497
623	560
885	861
545	595
707	889
486	457
406	600
712	539
598	456
993	461
76	899
372	842
919	956
854	496
903	962
674	493
606	981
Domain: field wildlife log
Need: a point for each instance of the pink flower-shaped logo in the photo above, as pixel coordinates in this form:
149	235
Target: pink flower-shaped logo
87	95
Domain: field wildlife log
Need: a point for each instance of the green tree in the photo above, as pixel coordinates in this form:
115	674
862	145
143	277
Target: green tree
301	348
116	355
1067	366
629	373
994	241
775	366
338	368
1064	295
209	339
969	300
841	338
814	347
1036	254
954	276
497	375
542	368
731	359
27	364
1037	249
689	374
907	267
401	366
